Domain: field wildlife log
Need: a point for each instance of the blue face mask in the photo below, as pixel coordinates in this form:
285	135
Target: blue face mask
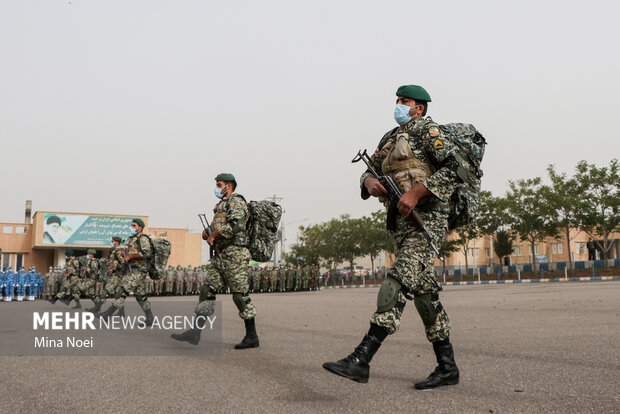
218	193
132	231
401	114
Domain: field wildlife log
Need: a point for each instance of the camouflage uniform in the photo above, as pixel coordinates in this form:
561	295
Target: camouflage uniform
305	278
70	284
180	278
170	273
265	280
134	279
298	275
88	283
117	264
413	267
200	279
231	216
273	279
190	277
258	275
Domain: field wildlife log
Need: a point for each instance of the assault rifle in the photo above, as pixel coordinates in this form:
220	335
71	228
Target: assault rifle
395	195
213	250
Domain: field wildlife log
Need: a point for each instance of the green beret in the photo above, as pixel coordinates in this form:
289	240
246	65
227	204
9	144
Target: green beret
91	251
225	177
415	92
117	239
139	222
69	252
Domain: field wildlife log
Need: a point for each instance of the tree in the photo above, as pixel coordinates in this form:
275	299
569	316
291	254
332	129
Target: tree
446	249
528	213
564	197
374	236
502	246
466	235
599	211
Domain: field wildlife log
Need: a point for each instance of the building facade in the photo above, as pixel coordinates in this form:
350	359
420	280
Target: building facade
43	240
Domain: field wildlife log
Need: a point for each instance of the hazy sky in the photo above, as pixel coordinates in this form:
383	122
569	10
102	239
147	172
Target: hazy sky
133	107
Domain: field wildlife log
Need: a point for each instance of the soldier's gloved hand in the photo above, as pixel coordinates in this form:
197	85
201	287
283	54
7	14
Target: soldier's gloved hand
374	187
205	235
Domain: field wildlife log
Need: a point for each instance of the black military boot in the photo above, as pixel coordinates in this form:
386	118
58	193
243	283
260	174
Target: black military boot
149	318
53	299
192	335
96	308
250	340
78	305
355	366
446	372
121	312
108	313
66	301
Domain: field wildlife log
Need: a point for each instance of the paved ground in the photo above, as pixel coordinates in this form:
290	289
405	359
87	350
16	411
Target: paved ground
549	348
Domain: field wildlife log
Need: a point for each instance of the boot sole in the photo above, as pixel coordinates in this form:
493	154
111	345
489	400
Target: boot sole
449	382
184	340
247	347
361	380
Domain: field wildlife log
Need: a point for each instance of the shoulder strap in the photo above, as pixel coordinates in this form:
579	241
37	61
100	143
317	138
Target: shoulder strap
150	242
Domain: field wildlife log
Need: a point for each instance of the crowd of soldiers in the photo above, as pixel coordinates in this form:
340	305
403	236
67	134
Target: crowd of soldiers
20	285
86	276
286	278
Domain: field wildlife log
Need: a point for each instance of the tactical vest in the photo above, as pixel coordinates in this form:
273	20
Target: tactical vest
133	247
400	163
219	216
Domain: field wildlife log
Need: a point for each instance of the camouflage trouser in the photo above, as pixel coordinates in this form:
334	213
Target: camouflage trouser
99	290
256	285
88	288
274	282
304	284
264	284
133	282
235	277
148	285
179	289
413	268
70	288
169	283
297	282
112	285
157	285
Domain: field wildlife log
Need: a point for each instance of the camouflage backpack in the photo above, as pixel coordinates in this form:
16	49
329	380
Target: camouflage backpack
466	196
156	265
262	229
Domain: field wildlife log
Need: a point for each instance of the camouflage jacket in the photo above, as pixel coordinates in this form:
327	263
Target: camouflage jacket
428	145
139	244
237	214
92	269
72	267
116	262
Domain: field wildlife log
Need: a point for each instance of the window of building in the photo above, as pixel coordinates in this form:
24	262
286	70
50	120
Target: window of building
516	250
19	262
535	249
580	247
487	251
473	252
7	230
559	248
555	248
20	230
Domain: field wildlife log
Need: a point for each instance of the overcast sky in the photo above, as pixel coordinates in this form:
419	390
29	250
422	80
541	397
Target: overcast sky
133	107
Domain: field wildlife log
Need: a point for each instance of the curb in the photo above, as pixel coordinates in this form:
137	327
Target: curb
495	282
